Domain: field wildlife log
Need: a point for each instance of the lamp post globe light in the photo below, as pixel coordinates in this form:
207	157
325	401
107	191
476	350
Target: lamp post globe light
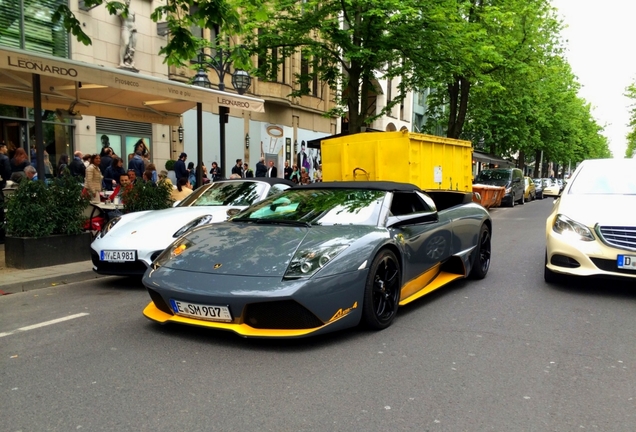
241	81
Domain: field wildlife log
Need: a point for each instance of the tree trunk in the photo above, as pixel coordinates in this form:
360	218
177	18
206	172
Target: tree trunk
537	164
458	94
356	121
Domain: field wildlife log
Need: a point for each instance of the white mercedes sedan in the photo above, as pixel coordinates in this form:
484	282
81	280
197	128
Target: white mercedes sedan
128	244
592	228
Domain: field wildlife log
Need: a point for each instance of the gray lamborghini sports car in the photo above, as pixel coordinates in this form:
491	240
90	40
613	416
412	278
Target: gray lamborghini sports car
320	258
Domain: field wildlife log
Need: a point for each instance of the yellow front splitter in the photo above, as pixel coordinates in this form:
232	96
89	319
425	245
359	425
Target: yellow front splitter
152	312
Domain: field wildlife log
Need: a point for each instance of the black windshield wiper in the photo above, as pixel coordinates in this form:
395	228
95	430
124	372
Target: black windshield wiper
243	219
283	222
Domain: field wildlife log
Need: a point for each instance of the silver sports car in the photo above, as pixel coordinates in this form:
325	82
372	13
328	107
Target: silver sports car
319	258
129	243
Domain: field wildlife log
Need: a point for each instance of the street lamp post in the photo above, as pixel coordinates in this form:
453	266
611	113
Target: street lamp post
241	81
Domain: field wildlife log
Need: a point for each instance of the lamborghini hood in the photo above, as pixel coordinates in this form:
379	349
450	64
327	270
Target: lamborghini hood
248	249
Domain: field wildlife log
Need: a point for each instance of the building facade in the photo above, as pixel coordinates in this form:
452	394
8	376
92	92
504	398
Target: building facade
101	111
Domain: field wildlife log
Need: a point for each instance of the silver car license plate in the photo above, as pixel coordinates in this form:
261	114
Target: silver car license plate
117	255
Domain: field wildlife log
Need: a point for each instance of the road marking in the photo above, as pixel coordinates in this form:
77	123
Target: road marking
44	324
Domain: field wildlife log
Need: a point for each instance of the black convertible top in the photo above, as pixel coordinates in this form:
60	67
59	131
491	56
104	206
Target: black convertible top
268	180
385	186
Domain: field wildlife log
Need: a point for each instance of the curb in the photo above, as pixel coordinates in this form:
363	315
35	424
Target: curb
48	282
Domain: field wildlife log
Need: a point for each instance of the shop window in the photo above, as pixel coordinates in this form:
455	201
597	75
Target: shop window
28	26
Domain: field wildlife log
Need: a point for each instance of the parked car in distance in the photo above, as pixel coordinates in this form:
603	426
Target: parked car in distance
510	178
539	184
591	231
530	192
552	189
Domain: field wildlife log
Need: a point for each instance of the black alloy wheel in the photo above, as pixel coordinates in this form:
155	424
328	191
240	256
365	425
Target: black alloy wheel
481	263
382	291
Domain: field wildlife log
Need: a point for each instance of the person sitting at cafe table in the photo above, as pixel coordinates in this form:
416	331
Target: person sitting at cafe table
124	184
183	189
30	172
148	177
132	175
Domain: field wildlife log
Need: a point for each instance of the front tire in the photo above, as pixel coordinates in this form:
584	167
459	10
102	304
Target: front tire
382	291
481	263
548	275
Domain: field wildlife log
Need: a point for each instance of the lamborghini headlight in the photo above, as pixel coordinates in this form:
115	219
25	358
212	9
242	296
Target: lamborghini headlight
569	228
306	262
172	251
194	223
109	225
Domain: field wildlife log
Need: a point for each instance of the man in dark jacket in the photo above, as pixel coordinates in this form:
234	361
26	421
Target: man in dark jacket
238	168
287	171
261	169
77	167
180	170
107	159
272	171
137	164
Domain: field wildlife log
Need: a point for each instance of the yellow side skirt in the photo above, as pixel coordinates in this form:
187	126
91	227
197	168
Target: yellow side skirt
439	281
155	314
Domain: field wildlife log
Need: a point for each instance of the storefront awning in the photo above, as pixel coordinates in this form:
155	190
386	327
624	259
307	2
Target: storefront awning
106	92
492	159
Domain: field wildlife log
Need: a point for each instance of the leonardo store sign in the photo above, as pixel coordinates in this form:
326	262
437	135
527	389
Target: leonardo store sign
36	66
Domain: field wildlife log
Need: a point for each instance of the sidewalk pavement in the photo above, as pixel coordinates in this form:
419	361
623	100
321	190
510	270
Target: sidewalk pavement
17	280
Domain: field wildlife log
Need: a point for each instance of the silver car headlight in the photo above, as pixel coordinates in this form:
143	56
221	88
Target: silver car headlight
109	226
508	190
194	223
565	226
306	262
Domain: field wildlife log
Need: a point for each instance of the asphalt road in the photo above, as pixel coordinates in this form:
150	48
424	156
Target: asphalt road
509	353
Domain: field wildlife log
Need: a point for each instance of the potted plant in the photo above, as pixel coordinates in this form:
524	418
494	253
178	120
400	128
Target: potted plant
45	224
147	196
170	168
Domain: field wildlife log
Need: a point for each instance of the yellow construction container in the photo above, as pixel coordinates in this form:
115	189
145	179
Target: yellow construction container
427	161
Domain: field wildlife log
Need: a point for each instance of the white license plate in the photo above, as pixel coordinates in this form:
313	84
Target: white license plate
627	262
117	255
206	312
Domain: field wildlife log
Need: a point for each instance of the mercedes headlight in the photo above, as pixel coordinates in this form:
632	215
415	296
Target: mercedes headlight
569	228
306	262
194	223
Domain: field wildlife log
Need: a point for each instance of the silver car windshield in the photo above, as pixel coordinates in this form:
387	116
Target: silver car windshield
233	194
318	207
619	180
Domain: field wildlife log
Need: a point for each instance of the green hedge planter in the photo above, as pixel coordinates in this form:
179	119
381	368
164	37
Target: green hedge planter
32	252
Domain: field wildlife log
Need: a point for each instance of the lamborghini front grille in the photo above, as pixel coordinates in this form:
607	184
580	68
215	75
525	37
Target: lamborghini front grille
159	302
285	314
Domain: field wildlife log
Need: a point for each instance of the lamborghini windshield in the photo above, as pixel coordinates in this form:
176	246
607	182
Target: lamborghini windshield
225	194
318	207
